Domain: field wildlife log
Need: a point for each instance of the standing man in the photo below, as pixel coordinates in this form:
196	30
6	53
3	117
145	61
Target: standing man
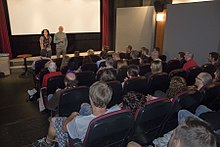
60	39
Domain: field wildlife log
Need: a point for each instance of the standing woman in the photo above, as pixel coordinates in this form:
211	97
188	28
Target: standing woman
45	41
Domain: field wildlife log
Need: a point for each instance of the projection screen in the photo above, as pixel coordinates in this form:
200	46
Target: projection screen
31	16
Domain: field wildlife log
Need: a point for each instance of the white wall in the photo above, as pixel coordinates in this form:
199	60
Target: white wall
192	27
135	26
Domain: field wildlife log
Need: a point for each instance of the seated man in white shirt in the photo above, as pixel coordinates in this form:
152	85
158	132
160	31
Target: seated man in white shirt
76	124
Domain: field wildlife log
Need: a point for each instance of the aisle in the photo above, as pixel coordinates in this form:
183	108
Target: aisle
21	122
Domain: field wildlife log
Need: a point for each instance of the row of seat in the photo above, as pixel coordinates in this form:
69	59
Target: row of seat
156	118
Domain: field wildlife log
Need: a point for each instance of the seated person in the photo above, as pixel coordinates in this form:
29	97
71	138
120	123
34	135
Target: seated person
103	56
105	75
193	133
156	68
65	61
202	80
76	125
52	72
73	67
87	60
203	113
213	58
190	62
54	99
122	63
132	72
217	75
144	51
43	56
90	52
155	53
128	50
109	63
181	58
134	57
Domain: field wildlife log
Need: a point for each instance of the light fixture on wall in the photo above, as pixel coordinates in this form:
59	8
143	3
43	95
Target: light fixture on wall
160	16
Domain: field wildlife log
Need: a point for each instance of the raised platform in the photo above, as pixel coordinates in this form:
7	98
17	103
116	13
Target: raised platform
17	64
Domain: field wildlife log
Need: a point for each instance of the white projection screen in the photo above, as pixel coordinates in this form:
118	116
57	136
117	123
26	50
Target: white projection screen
31	16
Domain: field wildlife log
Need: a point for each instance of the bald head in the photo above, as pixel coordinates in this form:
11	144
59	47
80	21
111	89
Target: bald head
70	80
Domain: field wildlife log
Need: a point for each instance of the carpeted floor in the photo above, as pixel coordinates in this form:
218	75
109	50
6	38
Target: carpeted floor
21	122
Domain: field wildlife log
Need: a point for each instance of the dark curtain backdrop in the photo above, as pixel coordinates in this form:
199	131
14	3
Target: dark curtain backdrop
5	42
105	22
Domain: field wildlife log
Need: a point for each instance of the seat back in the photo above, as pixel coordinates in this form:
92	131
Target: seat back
40	65
89	67
178	72
117	93
164	66
122	73
209	68
95	58
58	62
149	120
157	82
110	130
41	75
211	97
86	78
189	100
71	100
55	82
192	73
77	60
138	84
173	64
144	69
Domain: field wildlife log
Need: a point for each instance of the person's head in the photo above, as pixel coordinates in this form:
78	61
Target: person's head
73	66
144	51
188	56
181	56
116	56
105	48
133	71
156	66
87	60
134	54
70	80
60	29
155	53
45	32
202	79
193	133
128	49
213	57
106	75
133	101
217	74
100	94
52	67
109	62
177	85
103	55
144	60
43	53
121	63
90	52
76	54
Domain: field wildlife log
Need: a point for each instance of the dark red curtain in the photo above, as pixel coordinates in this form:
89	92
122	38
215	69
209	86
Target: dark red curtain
105	22
5	43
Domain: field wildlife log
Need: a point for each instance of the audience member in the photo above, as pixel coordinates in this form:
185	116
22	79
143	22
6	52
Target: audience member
132	72
52	72
213	58
189	61
155	53
156	68
65	61
128	50
122	63
217	75
202	80
193	133
103	56
60	39
76	125
116	56
54	99
90	52
43	56
106	75
87	60
144	51
181	58
144	60
73	67
135	57
45	41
